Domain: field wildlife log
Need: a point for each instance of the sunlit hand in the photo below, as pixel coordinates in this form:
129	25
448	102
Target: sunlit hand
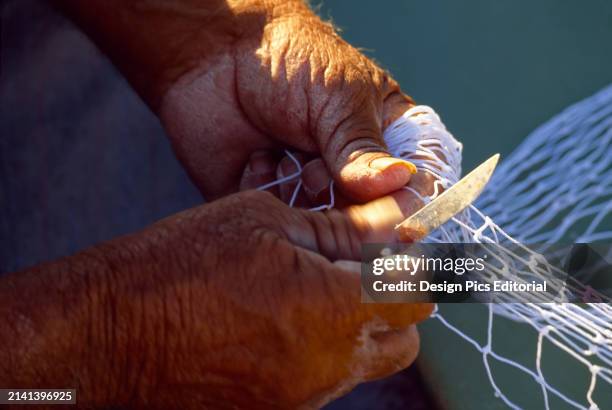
260	311
288	81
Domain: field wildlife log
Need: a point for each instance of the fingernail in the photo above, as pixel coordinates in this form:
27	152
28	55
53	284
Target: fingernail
315	177
384	163
287	167
261	162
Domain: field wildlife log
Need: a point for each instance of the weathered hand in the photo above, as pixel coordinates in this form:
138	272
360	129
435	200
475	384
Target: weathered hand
287	80
286	329
260	311
235	82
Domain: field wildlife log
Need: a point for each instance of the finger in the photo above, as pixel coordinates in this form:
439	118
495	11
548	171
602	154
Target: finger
361	341
260	170
390	352
356	153
354	341
383	352
316	181
376	221
378	330
318	186
343	291
340	234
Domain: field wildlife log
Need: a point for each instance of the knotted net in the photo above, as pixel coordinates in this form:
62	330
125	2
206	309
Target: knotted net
557	186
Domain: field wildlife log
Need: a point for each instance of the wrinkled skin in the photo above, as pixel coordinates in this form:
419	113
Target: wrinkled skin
187	313
231	78
292	84
242	302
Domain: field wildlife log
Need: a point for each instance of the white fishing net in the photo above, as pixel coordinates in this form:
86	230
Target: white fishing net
557	186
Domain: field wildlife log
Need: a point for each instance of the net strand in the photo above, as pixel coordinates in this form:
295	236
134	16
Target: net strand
557	185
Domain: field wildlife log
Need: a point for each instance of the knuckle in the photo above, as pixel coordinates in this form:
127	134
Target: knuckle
264	197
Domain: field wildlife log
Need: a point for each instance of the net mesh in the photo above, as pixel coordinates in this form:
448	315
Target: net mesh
556	186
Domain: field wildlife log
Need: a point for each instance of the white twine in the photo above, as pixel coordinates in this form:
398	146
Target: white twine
556	186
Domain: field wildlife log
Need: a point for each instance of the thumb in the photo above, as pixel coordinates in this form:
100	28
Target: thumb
356	154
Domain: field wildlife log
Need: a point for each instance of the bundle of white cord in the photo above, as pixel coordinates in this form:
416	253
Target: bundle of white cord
556	186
